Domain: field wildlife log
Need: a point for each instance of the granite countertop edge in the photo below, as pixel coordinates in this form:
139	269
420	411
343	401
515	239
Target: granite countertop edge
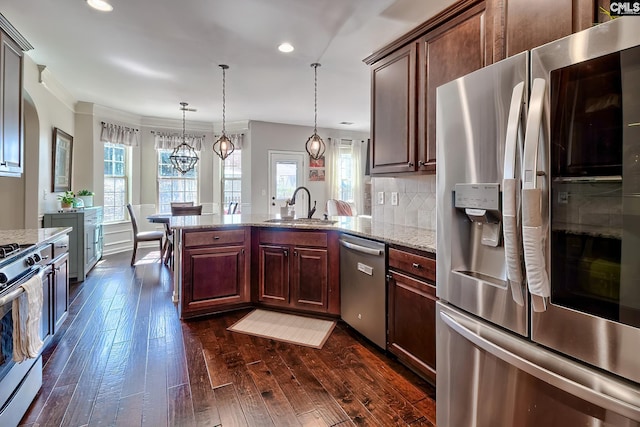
406	236
33	236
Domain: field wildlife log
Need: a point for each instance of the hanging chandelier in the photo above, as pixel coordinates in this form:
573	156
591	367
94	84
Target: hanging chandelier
223	147
315	145
184	157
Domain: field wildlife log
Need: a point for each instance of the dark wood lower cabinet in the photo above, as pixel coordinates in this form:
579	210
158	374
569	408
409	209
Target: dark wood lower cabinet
411	312
274	275
412	332
215	277
310	278
298	270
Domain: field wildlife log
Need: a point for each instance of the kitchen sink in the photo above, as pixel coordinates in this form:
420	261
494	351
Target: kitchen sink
305	221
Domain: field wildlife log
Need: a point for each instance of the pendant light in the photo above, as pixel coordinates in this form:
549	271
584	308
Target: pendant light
315	145
223	147
184	157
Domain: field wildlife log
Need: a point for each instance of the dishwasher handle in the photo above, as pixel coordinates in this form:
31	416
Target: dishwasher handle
362	249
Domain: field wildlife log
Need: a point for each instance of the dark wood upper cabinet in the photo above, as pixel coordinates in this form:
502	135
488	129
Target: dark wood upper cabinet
12	48
393	112
531	24
11	134
446	53
404	82
465	37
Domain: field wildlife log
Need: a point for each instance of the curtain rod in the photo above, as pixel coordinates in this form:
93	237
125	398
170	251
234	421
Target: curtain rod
126	127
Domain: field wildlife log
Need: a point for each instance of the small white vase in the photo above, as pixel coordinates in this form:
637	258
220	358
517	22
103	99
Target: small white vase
88	201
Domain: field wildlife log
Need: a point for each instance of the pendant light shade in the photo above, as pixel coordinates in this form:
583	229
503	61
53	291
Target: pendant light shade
315	145
184	157
223	147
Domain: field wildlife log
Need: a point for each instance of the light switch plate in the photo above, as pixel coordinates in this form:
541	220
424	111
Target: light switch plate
394	198
381	197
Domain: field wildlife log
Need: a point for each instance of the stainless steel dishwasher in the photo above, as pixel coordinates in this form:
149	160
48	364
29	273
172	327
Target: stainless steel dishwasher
363	287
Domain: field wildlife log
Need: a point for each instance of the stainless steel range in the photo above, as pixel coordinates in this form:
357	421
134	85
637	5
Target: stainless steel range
19	382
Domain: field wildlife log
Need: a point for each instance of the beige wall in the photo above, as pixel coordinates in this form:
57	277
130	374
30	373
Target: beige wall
52	106
265	136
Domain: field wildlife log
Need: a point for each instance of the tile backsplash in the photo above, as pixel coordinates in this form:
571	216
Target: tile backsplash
416	201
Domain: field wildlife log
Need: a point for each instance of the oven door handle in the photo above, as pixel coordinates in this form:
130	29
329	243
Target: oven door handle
554	370
19	290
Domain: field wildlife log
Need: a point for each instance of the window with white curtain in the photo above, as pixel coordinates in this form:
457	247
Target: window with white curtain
174	186
115	181
345	178
232	181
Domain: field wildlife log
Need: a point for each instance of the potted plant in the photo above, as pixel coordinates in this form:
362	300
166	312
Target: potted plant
87	197
66	199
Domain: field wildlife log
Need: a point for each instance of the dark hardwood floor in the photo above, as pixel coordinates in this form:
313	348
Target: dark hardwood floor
123	358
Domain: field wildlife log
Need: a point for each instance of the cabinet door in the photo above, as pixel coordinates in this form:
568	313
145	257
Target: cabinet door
393	112
309	281
451	51
411	323
60	290
214	278
11	144
273	275
89	246
46	329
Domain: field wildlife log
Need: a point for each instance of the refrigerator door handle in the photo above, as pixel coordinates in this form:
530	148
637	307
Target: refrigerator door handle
565	381
532	223
510	187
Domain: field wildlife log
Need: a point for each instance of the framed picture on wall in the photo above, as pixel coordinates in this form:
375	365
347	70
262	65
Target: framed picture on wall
62	157
316	163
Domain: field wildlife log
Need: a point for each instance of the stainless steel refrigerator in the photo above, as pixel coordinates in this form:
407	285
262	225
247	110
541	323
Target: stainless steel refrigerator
538	236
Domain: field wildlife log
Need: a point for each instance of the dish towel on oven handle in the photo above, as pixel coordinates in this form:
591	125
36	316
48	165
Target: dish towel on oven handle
533	237
27	310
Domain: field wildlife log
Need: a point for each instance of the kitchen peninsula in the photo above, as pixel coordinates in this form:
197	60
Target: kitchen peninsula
254	258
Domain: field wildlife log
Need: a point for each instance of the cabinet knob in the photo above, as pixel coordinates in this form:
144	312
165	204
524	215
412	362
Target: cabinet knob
57	268
216	237
416	265
295	253
3	164
410	164
421	163
286	252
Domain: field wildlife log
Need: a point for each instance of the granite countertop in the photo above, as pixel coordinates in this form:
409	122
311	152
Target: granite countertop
32	236
411	237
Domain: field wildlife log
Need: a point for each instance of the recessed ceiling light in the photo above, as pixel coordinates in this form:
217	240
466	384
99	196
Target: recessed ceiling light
100	5
285	47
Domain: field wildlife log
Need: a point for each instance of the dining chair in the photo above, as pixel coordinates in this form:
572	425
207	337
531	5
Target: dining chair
178	211
186	210
181	204
142	236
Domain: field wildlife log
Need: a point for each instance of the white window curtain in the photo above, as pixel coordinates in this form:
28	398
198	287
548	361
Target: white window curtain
117	134
338	176
236	138
169	141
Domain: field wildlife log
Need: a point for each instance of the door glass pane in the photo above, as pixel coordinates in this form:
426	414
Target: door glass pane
286	179
595	187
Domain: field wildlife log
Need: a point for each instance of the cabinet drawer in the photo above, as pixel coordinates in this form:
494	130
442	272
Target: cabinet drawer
213	237
60	246
316	239
415	264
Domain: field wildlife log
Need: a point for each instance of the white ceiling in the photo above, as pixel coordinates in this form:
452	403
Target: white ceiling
147	56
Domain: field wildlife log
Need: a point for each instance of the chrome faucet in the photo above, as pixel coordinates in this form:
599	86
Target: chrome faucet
310	211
